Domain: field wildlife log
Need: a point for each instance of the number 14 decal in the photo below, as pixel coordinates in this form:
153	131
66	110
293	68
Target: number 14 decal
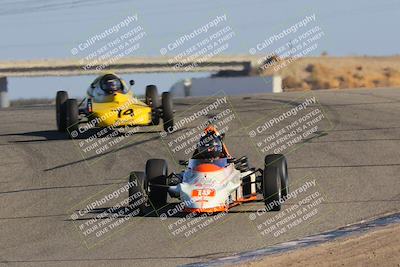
125	113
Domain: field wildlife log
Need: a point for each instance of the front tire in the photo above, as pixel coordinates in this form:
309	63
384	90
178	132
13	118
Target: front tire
61	114
153	101
138	190
271	187
280	162
156	174
72	111
168	112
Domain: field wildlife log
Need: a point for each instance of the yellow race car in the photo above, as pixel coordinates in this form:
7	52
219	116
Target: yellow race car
110	102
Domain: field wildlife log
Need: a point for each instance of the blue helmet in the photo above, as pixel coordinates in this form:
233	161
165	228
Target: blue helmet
210	146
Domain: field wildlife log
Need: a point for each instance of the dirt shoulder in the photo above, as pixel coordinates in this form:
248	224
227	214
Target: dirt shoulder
376	248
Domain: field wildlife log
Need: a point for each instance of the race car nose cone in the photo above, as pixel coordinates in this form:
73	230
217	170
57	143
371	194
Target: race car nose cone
207	167
119	98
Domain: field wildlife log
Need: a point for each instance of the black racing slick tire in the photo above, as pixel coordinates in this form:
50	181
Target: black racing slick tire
167	111
72	111
156	175
61	114
272	188
138	192
152	100
280	162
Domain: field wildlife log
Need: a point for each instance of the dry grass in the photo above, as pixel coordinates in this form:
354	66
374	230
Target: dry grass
313	73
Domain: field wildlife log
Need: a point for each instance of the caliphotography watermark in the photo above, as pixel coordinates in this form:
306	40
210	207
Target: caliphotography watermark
192	217
194	223
100	135
288	45
291	126
183	138
106	213
194	48
107	47
302	207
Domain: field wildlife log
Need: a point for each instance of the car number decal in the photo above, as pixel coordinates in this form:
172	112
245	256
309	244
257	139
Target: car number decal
125	113
203	193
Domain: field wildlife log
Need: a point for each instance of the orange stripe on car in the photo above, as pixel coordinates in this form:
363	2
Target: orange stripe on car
252	198
207	210
207	167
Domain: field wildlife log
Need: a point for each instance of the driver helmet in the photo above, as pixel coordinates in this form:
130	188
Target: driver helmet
111	84
210	146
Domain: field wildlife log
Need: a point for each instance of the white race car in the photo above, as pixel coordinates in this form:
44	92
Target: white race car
209	183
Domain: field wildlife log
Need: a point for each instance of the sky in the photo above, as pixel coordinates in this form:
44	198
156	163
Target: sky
43	29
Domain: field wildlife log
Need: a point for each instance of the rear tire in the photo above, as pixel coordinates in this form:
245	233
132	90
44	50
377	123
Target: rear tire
138	190
72	111
280	162
153	101
168	112
156	174
61	115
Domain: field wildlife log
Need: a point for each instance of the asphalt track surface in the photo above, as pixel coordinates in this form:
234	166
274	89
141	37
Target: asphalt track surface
354	159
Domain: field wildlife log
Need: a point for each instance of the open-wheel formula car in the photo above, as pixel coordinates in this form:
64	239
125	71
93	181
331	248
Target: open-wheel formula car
212	180
111	102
